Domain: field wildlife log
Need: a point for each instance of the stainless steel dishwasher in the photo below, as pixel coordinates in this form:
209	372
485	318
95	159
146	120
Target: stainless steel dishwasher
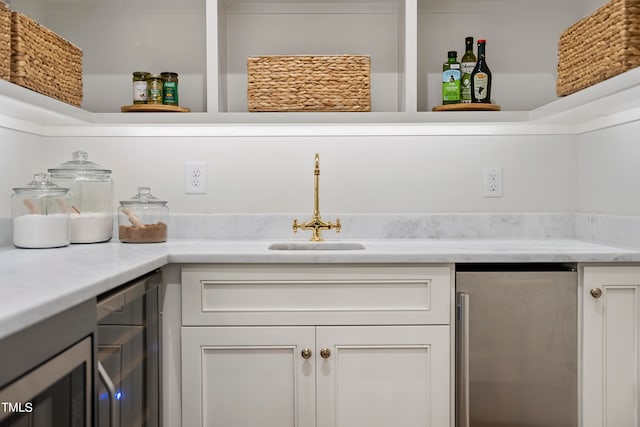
516	345
129	354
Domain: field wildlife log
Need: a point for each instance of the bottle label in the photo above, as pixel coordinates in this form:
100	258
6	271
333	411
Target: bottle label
154	91
139	92
480	83
170	93
451	86
465	81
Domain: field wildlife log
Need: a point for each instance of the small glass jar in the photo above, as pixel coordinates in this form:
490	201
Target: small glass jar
154	89
91	194
140	87
40	213
143	218
169	88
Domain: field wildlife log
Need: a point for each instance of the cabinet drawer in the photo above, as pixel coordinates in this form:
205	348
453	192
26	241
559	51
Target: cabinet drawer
259	294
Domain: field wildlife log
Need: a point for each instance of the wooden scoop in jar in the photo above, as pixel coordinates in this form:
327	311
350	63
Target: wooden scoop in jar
133	219
33	209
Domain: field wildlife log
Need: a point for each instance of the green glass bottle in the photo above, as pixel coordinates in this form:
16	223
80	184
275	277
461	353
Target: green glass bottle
481	78
451	79
467	64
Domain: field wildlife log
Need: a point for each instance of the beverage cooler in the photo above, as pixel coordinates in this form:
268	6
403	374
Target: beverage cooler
128	359
46	372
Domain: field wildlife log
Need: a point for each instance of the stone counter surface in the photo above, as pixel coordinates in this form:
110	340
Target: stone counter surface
38	283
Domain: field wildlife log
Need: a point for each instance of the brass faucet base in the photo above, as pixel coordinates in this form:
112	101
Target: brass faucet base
316	224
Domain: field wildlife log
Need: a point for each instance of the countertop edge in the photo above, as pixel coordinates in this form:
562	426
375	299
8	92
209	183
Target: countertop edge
37	284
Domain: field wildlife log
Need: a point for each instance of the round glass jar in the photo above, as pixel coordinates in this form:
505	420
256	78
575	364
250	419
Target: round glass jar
40	212
143	218
154	89
91	194
140	87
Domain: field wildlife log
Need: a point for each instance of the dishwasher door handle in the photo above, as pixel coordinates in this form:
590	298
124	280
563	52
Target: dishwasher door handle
462	359
114	419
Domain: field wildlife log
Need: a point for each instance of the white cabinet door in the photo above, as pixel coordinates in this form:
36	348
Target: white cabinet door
247	376
611	359
381	376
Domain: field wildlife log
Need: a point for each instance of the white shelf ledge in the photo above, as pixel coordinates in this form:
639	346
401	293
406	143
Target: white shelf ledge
609	103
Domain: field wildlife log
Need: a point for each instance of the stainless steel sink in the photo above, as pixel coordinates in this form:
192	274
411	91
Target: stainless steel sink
316	246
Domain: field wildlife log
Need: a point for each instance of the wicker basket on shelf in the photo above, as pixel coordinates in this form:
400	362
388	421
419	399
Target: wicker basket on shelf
43	61
5	41
600	46
309	83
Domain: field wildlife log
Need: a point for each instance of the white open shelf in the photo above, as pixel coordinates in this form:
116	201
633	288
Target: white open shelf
208	41
379	28
614	101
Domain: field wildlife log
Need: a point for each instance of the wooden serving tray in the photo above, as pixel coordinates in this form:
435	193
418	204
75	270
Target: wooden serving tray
467	107
153	108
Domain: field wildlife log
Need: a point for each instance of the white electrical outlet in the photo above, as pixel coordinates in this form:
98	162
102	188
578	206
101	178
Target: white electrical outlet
196	177
492	182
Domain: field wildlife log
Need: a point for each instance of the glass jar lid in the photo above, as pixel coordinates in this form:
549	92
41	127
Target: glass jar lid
42	186
143	197
79	166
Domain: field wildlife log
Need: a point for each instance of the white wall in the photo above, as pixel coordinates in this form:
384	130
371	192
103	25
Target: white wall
20	157
610	171
359	174
589	6
593	173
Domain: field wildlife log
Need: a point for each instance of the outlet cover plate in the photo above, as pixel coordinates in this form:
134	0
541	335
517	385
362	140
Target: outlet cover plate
492	180
196	177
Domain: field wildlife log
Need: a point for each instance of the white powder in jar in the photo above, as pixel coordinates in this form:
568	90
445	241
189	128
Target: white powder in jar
41	231
91	227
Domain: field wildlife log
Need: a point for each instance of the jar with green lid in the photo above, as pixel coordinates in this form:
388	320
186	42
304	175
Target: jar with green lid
169	88
154	89
140	87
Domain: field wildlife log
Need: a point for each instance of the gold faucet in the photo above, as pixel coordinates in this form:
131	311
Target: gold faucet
316	224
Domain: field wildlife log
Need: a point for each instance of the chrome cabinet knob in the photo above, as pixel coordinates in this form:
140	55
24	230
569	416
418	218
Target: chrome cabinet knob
305	353
596	292
325	353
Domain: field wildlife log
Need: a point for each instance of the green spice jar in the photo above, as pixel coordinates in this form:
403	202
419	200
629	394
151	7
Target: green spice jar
154	89
169	88
140	87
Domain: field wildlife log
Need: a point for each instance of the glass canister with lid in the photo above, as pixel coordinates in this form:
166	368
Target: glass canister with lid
91	194
143	218
40	212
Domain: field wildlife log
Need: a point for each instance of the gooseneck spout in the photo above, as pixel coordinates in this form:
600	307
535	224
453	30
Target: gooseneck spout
316	188
316	224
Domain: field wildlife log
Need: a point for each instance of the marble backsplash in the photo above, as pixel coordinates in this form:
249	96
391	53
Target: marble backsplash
376	226
610	229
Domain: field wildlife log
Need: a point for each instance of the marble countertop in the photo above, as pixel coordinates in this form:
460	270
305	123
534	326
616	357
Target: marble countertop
38	283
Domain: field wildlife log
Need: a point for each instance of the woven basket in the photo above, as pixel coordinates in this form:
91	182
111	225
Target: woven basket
309	83
5	42
599	46
43	61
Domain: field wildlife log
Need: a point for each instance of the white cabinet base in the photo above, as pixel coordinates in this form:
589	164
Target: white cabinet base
374	376
380	376
611	350
316	346
247	377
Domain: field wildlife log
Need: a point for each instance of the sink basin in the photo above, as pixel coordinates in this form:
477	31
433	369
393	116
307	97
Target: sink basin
316	246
